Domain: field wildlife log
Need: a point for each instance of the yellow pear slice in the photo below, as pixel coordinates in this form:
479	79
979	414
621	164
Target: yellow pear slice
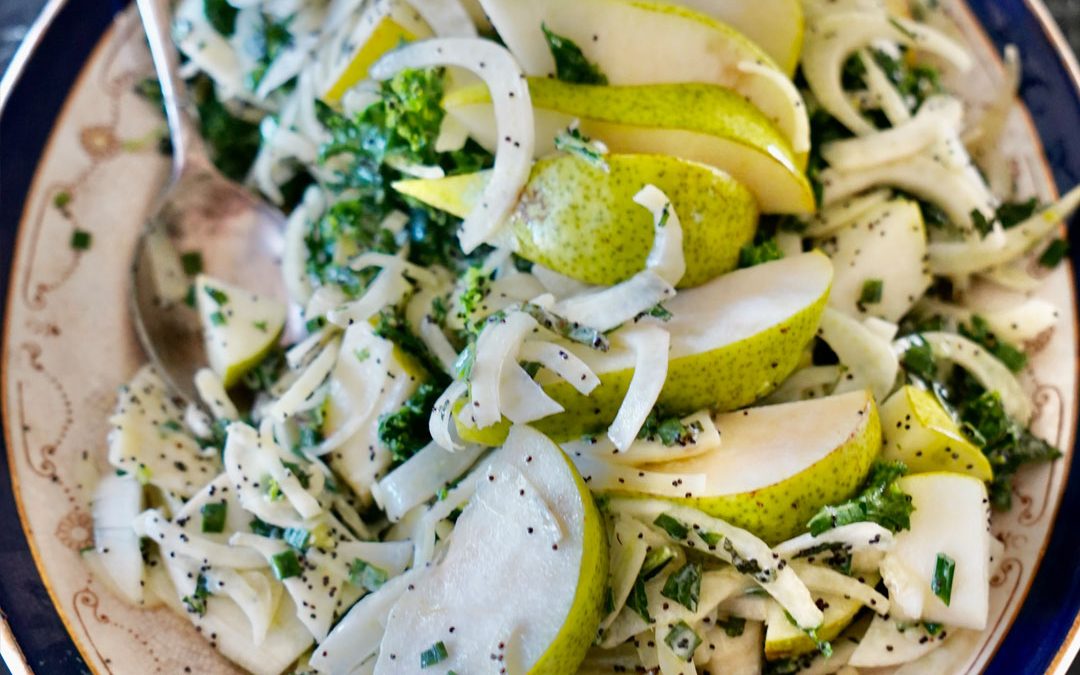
571	212
700	122
642	42
778	465
733	340
775	25
532	524
239	327
783	638
921	434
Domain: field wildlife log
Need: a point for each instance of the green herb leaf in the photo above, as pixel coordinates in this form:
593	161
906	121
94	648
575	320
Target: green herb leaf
871	292
366	575
406	431
1052	256
979	331
196	602
918	360
81	240
673	527
221	15
682	640
684	586
760	252
213	516
433	654
655	560
880	501
570	63
638	600
942	583
285	565
192	263
733	625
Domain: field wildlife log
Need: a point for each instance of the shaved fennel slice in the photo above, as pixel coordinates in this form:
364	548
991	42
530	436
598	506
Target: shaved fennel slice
117	502
447	18
602	476
968	257
212	392
521	399
421	477
842	213
513	119
869	358
298	496
650	345
562	362
436	340
669	662
455	498
249	465
1018	323
829	581
789	243
294	256
559	285
704	437
611	307
300	354
836	36
388	288
626	550
171	537
716	587
441	423
809	382
903	140
424	277
253	594
496	348
854	537
666	256
303	388
392	556
882	91
991	373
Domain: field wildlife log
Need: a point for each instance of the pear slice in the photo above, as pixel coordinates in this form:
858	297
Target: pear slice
700	122
531	526
733	340
778	465
642	42
239	327
783	638
888	642
886	245
918	431
776	26
572	213
951	519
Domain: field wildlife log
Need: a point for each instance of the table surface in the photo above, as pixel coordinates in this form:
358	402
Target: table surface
17	15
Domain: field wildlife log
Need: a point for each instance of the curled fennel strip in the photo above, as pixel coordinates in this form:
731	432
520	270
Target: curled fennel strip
992	374
562	362
704	437
154	526
496	349
869	357
666	256
611	307
1018	323
650	345
513	118
421	477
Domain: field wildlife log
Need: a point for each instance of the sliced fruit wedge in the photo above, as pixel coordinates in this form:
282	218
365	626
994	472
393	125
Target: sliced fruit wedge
776	26
572	213
783	638
889	642
943	562
642	42
531	524
239	327
919	432
778	465
700	122
733	340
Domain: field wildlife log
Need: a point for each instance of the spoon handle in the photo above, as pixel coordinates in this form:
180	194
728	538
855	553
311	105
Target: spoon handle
189	152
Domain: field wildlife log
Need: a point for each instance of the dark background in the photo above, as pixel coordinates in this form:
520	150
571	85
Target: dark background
17	15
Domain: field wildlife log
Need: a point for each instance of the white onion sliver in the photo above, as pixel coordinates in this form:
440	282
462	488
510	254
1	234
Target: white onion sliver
666	256
562	362
650	345
513	119
611	307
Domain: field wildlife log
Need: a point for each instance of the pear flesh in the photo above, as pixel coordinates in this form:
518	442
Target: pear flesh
239	327
776	26
778	465
700	122
581	221
920	433
531	525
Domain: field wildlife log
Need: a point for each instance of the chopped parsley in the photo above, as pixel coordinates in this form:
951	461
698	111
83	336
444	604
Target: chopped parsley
232	141
405	432
196	602
942	582
759	252
880	500
684	586
670	431
436	653
733	625
570	63
638	600
682	640
221	15
979	331
1054	253
81	240
392	325
366	575
61	201
213	516
918	360
673	527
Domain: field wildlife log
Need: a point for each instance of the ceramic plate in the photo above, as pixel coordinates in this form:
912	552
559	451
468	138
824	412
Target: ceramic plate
79	151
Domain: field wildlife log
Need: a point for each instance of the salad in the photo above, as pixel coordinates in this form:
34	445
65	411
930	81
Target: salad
639	336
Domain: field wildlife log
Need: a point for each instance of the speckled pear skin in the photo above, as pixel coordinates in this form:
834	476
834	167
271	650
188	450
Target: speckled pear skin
722	379
780	511
581	221
568	649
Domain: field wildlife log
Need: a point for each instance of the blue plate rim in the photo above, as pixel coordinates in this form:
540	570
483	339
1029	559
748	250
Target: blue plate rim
25	55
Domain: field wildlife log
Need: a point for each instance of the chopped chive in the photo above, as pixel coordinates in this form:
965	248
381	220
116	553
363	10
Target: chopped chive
673	527
638	600
285	565
942	582
213	516
192	263
171	425
932	628
366	575
362	354
710	538
189	298
61	200
683	640
217	295
297	537
315	324
733	625
218	319
80	240
871	292
433	654
260	325
1054	253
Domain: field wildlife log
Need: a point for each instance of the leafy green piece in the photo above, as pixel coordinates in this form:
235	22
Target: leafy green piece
366	575
880	500
670	431
915	82
759	252
213	516
979	331
682	640
942	582
1011	214
570	63
405	431
196	602
264	529
392	325
81	239
192	263
1054	253
673	527
1004	441
871	292
918	359
638	601
233	142
285	565
684	586
436	653
476	284
221	15
571	330
733	625
573	142
655	560
824	128
982	224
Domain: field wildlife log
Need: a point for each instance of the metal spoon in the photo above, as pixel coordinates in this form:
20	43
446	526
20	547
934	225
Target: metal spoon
238	236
